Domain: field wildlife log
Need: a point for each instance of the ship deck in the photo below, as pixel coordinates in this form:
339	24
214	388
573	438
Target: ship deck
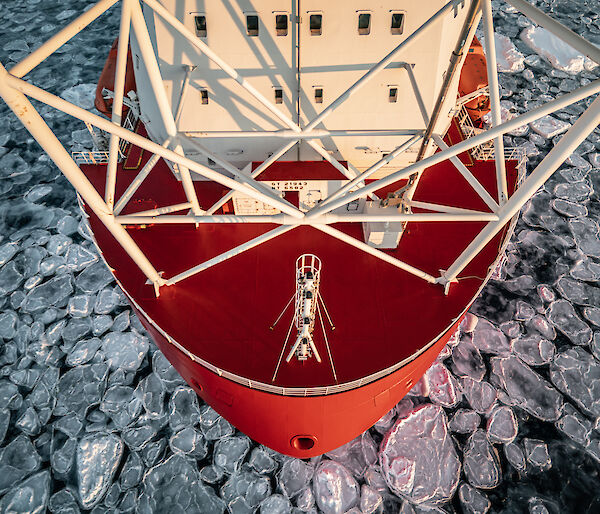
382	314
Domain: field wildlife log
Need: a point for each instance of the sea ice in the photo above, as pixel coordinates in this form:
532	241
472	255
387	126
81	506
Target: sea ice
153	397
549	126
10	279
78	258
189	441
334	488
306	500
371	501
245	491
587	236
467	361
527	389
29	497
509	59
418	458
441	385
174	486
17	460
536	452
357	455
262	461
472	500
94	278
487	338
49	293
183	408
83	352
574	425
481	463
577	374
578	292
82	95
294	477
561	55
515	456
533	349
480	395
502	425
98	457
230	452
124	350
276	504
563	316
464	421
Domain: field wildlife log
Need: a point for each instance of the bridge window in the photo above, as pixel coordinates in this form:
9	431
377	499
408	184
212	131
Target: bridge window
278	95
316	24
364	24
281	24
252	24
393	96
397	23
200	22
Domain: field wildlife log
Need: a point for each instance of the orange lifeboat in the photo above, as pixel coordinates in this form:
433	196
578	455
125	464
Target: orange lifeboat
107	80
472	78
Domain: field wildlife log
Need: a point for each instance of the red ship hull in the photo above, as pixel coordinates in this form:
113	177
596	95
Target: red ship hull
213	326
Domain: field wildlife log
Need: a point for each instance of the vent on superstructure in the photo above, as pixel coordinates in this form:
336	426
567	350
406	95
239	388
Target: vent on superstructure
397	23
204	96
316	24
319	95
281	24
393	96
278	95
200	22
364	24
252	24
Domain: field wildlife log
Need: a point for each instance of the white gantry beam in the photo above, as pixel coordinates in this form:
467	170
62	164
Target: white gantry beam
160	94
37	127
146	144
155	216
305	134
492	73
510	125
117	106
584	126
468	176
231	253
60	38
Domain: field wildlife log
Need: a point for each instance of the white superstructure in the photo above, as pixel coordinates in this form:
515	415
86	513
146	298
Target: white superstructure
301	55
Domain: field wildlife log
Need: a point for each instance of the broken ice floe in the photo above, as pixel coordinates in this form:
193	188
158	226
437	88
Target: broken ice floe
418	458
561	55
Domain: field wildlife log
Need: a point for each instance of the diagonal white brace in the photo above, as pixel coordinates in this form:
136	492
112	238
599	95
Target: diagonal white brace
586	123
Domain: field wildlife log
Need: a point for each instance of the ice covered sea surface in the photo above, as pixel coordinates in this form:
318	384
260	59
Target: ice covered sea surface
505	421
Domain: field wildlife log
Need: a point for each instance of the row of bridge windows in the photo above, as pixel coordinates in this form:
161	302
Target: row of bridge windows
315	24
318	92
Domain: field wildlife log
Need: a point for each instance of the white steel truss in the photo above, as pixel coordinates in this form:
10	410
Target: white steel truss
15	92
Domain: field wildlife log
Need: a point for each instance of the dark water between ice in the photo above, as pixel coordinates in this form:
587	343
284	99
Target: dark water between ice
92	416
